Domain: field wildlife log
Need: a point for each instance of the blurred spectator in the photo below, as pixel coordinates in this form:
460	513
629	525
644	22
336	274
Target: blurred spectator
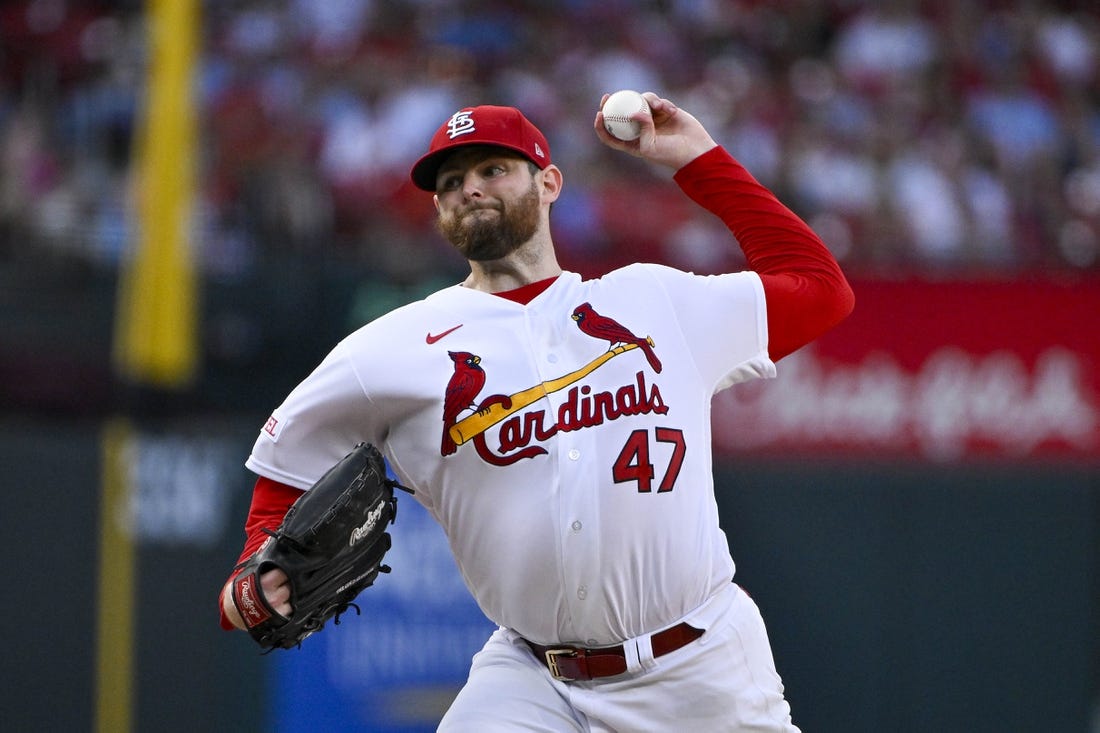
914	133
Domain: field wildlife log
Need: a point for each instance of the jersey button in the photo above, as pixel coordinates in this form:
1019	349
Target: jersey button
552	358
582	592
577	526
574	454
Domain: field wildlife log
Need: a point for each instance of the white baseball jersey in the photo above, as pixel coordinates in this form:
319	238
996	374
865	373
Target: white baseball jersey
563	445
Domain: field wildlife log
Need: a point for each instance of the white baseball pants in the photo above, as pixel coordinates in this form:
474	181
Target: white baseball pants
724	681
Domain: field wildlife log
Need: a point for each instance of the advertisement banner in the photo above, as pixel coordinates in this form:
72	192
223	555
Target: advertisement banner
937	370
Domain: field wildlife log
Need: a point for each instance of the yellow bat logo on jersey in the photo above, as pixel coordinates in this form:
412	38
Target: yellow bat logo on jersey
490	415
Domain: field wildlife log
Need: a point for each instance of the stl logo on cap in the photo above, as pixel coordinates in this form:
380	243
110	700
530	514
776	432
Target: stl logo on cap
461	123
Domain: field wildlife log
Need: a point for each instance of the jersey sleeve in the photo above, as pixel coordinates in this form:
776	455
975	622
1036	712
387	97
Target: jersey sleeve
805	289
318	423
723	320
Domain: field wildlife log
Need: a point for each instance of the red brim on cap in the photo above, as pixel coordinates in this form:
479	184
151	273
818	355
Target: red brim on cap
502	127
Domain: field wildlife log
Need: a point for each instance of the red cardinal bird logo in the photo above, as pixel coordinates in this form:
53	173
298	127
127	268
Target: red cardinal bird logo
463	388
602	327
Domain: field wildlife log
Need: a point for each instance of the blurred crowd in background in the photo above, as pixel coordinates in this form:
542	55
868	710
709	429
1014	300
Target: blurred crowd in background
914	135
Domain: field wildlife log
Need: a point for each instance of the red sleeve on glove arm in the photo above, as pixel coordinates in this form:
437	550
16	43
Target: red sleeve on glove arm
806	292
270	502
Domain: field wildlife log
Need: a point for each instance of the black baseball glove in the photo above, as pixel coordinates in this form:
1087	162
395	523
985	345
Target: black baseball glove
330	545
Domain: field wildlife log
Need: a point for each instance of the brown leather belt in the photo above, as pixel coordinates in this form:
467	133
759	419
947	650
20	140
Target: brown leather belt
571	663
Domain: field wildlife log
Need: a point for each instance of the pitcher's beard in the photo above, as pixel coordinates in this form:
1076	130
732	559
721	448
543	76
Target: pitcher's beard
496	237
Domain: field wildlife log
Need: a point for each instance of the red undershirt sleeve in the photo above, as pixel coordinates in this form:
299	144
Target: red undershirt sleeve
805	290
270	502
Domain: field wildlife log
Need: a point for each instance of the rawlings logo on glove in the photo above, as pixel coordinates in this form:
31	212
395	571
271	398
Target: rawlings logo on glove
360	532
330	546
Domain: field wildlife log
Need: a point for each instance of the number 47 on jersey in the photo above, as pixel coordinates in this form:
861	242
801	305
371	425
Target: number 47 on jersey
634	462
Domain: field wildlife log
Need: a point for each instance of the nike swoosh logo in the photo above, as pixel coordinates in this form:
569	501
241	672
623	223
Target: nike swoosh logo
432	339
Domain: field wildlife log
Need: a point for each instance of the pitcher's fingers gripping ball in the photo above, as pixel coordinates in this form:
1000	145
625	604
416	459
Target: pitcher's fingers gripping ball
330	546
619	113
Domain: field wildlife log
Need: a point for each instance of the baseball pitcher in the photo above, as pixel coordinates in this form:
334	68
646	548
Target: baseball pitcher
559	431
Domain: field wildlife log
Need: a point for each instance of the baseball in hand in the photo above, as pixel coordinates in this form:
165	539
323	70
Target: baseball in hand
617	111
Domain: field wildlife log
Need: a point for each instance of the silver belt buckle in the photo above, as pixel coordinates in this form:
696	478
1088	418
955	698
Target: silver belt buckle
552	663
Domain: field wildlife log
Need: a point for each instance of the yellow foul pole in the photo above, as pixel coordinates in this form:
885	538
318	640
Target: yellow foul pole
156	327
